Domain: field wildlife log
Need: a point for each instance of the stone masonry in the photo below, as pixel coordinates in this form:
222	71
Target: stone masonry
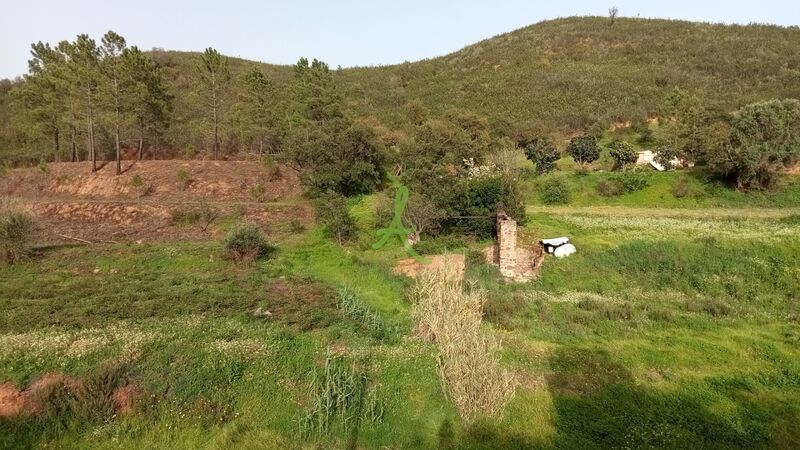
507	245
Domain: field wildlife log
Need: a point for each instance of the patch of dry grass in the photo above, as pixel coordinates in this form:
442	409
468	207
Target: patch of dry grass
469	358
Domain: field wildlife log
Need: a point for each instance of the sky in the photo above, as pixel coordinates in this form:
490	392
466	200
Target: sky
343	33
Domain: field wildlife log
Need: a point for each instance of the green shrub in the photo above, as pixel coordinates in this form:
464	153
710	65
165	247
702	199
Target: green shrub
183	178
245	243
632	180
665	154
296	226
92	400
582	171
333	214
622	153
475	258
793	219
43	167
680	188
273	170
555	192
257	192
439	244
16	230
203	215
144	189
607	188
501	308
474	202
542	152
764	139
583	149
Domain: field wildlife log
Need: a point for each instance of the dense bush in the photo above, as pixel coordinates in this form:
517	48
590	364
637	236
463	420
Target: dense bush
420	214
440	244
608	189
245	243
680	188
555	192
474	202
765	138
333	152
583	149
542	152
622	153
16	230
334	216
665	154
632	180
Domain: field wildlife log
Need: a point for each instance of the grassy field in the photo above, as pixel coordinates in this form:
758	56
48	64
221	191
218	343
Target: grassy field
673	189
670	328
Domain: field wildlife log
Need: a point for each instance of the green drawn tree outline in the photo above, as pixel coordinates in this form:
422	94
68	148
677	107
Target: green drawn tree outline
396	227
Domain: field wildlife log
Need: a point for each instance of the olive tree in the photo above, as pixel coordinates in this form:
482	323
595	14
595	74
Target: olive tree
584	149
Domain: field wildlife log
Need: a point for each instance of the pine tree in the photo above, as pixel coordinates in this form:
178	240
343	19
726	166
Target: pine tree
151	103
214	75
82	76
257	100
116	86
44	91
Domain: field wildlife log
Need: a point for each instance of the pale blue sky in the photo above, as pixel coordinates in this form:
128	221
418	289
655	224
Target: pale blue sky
345	32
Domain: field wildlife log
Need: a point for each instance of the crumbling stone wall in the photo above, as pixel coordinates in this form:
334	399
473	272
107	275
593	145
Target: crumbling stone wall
507	245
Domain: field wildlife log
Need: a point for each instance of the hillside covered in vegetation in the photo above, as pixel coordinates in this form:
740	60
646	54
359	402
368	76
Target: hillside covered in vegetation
244	277
559	77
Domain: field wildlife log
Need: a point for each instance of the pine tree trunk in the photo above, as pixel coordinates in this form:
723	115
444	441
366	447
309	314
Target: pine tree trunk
116	140
116	143
216	135
56	156
141	138
74	156
92	153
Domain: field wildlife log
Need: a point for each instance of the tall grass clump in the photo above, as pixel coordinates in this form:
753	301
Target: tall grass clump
245	243
16	230
355	309
555	192
341	394
469	359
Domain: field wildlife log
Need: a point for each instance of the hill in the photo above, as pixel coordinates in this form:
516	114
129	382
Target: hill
560	76
567	74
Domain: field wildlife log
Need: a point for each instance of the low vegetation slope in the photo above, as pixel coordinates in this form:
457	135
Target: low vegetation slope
566	74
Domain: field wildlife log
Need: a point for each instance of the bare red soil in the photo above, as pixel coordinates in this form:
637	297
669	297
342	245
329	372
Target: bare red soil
15	402
69	200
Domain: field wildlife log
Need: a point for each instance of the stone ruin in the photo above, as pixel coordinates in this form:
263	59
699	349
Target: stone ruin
516	263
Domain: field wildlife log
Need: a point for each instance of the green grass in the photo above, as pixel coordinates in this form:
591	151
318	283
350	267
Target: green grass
660	193
670	328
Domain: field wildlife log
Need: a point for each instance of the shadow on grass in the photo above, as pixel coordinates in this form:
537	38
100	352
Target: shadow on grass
598	404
